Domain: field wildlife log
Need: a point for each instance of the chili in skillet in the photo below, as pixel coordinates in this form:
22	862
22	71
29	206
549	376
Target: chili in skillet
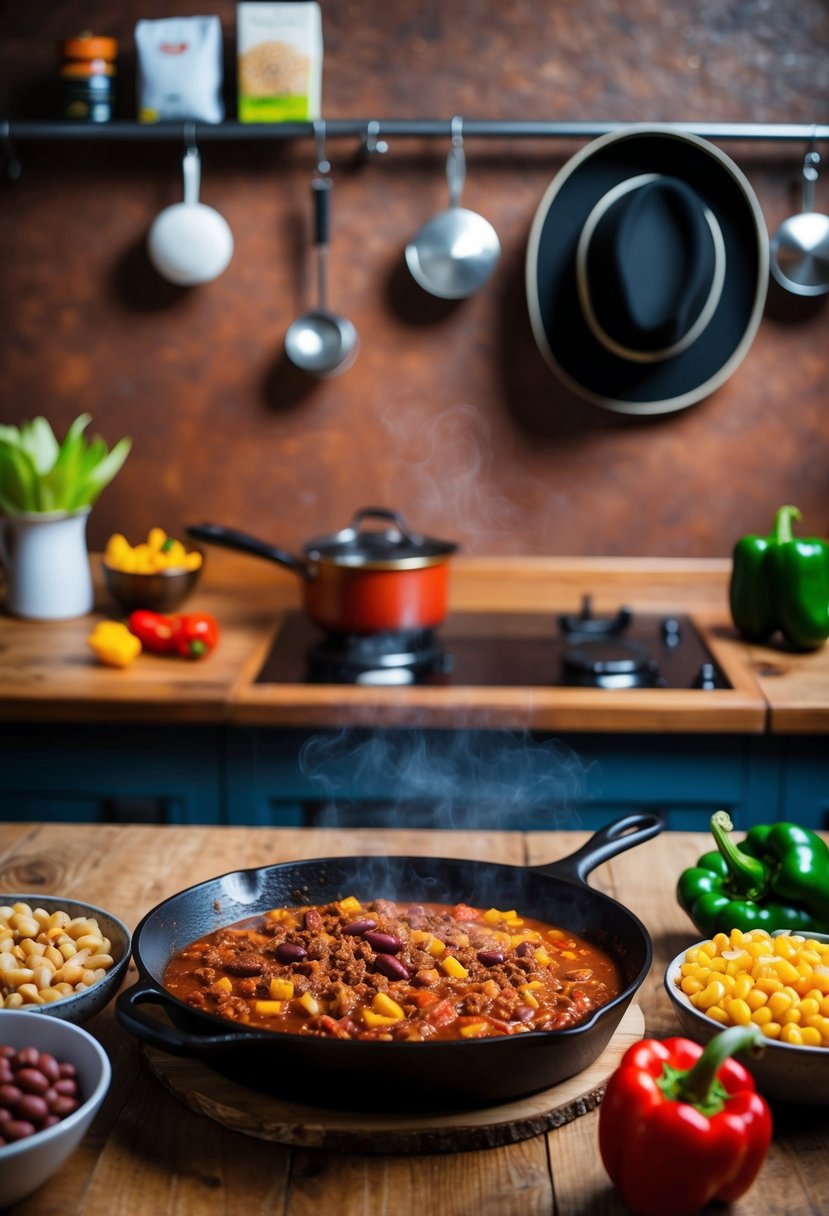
382	970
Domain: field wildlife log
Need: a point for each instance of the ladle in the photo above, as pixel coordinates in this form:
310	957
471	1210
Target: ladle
320	341
799	249
455	252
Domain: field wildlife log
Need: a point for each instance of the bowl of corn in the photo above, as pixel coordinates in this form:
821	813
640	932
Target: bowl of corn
157	574
60	956
780	982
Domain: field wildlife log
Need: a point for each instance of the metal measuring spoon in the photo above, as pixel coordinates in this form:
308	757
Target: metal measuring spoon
455	252
799	249
320	341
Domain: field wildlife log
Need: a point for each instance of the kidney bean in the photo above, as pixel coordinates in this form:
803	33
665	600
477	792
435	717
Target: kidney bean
490	958
49	1066
67	1069
50	1121
32	1107
18	1129
7	1051
6	1074
391	967
383	943
31	1081
524	1013
64	1106
313	920
5	1115
356	928
10	1095
523	949
290	952
27	1057
66	1086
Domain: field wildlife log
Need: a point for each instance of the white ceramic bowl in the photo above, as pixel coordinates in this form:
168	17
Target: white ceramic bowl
83	1005
26	1164
784	1071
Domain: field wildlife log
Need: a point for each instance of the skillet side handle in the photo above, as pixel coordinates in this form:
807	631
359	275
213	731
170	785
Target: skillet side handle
159	1034
609	841
243	542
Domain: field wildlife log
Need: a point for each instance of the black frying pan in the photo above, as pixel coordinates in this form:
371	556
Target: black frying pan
382	1076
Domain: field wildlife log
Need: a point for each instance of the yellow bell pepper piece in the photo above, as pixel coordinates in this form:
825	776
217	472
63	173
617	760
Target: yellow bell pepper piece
281	990
224	984
350	904
113	644
309	1003
474	1030
387	1007
373	1019
269	1006
453	967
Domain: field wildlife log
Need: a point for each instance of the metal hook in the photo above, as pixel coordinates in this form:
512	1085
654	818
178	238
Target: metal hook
190	144
323	164
372	145
13	166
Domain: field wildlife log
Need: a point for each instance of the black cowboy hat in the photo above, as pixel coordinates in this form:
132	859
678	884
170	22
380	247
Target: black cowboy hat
647	270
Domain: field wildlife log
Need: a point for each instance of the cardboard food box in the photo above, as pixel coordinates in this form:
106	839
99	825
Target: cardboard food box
279	61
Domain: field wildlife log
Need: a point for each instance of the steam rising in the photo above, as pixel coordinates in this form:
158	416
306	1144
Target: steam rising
454	779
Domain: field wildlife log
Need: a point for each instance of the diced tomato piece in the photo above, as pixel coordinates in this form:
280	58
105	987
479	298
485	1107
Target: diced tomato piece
464	912
339	1029
442	1014
422	998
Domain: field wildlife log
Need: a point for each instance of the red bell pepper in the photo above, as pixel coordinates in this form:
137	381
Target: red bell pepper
154	631
680	1127
195	634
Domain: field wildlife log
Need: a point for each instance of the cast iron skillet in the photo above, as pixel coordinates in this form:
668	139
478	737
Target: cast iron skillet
384	1076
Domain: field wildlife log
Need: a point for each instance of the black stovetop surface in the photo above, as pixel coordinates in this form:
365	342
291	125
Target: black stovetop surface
504	650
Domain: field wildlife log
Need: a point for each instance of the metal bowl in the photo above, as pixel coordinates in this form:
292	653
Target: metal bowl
82	1005
163	591
784	1071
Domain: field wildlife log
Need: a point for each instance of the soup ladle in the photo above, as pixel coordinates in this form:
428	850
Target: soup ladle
320	341
799	249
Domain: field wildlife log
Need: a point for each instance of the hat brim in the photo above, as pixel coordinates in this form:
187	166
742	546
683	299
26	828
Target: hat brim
559	326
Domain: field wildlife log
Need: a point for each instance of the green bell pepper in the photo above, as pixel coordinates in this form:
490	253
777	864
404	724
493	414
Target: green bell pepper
781	582
778	878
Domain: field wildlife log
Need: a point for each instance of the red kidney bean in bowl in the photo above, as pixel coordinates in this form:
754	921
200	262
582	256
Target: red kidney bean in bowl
380	970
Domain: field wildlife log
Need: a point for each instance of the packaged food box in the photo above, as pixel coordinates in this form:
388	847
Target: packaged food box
279	61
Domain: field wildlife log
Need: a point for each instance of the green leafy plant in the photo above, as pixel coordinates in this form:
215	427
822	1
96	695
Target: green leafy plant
39	474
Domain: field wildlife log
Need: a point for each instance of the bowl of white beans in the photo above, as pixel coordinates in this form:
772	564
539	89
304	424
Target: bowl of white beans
59	956
778	981
55	1077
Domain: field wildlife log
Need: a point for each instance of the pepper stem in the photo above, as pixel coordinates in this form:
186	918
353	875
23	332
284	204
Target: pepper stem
748	875
699	1085
782	531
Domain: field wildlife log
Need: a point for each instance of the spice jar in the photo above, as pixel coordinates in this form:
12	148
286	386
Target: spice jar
87	77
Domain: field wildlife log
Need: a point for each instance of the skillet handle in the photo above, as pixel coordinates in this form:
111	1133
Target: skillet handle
230	538
609	841
161	1035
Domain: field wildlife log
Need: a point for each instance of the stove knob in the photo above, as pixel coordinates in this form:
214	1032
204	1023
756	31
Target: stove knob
706	677
671	631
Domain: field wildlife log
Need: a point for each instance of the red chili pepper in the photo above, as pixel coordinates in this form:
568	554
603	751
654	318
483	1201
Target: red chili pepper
195	634
680	1126
154	631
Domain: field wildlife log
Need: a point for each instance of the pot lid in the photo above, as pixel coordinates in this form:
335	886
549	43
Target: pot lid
394	546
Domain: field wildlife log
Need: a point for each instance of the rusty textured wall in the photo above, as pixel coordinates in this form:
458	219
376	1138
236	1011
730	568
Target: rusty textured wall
450	413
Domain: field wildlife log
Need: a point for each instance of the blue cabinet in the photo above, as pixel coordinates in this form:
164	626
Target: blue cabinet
407	778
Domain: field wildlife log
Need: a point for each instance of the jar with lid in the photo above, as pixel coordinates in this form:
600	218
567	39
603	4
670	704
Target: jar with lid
87	77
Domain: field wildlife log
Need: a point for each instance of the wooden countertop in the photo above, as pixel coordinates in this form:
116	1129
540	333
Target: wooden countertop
47	672
147	1152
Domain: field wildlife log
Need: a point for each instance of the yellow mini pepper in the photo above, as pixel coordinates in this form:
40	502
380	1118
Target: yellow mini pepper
113	644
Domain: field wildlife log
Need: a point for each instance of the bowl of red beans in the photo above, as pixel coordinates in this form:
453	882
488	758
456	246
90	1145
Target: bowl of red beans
54	1077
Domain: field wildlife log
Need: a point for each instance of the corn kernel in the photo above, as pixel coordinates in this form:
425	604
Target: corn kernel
710	995
762	1016
809	1036
779	1003
718	1014
771	1030
790	1033
738	1012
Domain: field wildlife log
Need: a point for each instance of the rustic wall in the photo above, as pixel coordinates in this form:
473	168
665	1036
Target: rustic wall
450	413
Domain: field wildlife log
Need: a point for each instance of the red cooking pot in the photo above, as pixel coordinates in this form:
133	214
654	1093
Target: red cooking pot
360	580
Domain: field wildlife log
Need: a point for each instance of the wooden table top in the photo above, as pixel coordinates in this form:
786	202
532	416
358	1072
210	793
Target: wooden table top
147	1152
48	673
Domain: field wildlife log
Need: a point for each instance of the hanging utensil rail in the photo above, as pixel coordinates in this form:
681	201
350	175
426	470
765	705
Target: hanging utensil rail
374	131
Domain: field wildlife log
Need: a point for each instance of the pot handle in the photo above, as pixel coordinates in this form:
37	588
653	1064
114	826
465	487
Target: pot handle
609	841
229	538
160	1034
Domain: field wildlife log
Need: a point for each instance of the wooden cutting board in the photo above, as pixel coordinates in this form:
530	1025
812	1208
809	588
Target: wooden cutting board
269	1118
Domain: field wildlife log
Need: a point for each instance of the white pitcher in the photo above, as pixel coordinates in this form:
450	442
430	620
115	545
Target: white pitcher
48	577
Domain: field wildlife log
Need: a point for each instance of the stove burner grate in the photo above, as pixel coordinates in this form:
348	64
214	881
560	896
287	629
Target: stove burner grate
609	663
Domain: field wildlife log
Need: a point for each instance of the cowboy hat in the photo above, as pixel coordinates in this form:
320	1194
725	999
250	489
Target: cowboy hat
647	270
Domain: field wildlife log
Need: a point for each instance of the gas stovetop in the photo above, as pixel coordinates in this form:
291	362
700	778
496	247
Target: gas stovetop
622	650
